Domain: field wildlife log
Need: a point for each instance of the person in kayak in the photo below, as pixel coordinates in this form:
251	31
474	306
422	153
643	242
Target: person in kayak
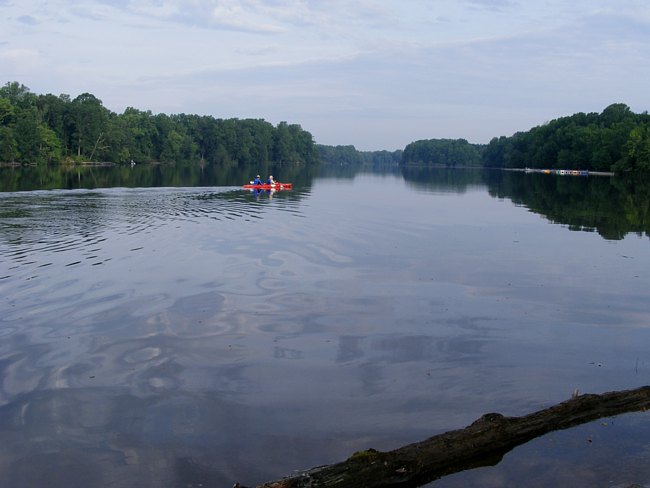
257	180
270	181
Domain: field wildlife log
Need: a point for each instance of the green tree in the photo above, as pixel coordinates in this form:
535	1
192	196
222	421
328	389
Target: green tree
580	141
46	127
35	142
53	112
8	144
50	145
637	150
89	120
18	95
282	144
442	152
7	111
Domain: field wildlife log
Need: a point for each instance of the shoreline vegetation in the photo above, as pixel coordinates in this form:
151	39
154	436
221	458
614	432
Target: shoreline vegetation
614	141
563	172
50	129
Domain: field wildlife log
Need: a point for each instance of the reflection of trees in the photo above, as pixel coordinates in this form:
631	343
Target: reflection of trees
613	207
145	176
349	173
442	179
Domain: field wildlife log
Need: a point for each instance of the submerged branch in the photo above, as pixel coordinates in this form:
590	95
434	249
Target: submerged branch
483	443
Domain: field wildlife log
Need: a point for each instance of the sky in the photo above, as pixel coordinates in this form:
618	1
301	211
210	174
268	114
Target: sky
377	74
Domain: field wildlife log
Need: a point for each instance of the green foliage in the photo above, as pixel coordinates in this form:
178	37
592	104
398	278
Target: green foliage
340	155
615	139
18	95
46	128
8	145
6	111
351	157
442	152
636	154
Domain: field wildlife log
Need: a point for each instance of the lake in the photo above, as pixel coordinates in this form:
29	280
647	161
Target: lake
158	333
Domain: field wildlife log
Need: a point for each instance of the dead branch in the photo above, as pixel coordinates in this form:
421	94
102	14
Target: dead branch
483	443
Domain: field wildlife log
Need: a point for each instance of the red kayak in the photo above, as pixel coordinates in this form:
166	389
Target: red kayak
274	186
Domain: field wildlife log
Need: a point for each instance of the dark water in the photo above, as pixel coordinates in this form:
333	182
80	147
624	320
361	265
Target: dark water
191	336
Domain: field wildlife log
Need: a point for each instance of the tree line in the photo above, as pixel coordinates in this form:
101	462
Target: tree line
615	140
442	152
45	129
351	157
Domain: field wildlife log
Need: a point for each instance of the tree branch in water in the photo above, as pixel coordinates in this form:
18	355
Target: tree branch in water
483	443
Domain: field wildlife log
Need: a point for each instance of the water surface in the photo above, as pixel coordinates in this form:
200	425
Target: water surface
188	336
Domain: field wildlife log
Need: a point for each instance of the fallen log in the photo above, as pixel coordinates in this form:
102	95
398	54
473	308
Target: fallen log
483	443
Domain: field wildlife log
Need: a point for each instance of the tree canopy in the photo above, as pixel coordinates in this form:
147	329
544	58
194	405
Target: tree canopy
615	140
352	157
442	152
40	129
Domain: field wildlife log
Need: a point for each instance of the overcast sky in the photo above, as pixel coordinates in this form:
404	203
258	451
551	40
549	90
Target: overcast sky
374	73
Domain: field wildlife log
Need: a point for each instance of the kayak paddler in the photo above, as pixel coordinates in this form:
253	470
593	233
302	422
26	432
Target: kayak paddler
257	180
270	181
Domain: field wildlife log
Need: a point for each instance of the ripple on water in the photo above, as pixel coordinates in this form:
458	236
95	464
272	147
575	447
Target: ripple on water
53	229
5	331
142	355
136	321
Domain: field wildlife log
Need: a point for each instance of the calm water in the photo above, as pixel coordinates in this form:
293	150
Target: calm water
198	336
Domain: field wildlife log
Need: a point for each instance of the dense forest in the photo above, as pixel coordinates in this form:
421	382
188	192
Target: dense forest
353	158
41	129
443	152
615	140
47	128
432	152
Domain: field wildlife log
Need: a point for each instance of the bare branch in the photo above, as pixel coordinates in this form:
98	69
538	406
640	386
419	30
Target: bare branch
483	443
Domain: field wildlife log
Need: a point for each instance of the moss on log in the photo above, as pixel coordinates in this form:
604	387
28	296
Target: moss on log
483	443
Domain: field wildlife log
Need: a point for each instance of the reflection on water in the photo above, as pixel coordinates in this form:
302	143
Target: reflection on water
187	336
69	228
612	206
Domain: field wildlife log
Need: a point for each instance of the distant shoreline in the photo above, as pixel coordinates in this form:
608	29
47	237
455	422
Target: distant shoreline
562	172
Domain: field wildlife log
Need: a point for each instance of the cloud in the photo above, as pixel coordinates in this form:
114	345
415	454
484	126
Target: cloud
617	26
18	54
493	5
345	70
27	20
409	90
258	16
244	15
